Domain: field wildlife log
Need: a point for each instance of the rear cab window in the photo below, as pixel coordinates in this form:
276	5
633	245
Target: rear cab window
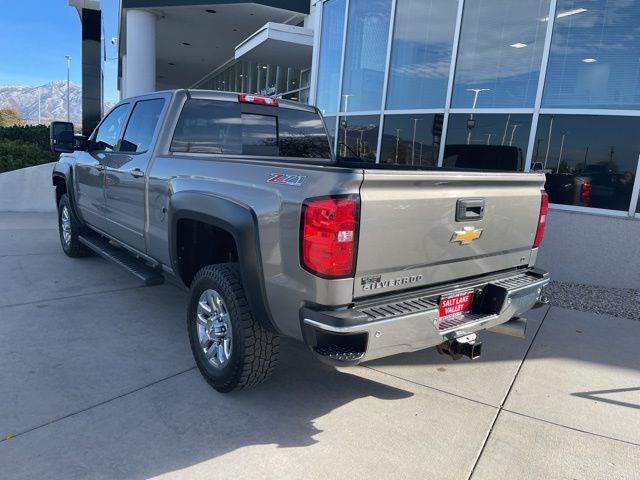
233	128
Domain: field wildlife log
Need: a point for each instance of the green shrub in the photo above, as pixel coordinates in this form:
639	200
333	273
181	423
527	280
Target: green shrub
24	146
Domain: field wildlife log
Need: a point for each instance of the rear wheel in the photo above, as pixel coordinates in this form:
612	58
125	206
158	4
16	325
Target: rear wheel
70	228
231	348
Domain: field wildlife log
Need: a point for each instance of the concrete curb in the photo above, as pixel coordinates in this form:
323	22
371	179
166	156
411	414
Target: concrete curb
27	190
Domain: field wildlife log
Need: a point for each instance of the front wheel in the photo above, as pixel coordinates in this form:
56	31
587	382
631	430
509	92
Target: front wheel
70	228
230	347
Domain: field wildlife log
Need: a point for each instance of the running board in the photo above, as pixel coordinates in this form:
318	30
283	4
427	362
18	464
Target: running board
149	275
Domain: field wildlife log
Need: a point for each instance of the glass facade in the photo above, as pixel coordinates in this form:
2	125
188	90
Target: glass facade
505	85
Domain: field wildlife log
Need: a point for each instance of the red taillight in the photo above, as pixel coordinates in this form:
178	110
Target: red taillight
542	221
585	193
246	98
329	236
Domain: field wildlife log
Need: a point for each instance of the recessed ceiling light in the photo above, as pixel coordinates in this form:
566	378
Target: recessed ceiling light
208	10
186	44
568	13
589	60
518	45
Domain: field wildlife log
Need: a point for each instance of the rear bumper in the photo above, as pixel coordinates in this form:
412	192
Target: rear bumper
410	322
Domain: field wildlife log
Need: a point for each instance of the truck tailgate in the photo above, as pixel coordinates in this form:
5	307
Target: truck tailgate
408	227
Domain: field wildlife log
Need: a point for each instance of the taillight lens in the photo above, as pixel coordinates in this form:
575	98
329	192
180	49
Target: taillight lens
329	236
585	193
542	221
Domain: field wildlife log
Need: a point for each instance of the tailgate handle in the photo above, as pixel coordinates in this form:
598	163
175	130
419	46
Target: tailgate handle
470	209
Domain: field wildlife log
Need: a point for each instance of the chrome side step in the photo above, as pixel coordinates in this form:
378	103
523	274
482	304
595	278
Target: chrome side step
137	267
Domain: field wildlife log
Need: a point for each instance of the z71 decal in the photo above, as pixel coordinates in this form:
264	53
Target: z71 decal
283	179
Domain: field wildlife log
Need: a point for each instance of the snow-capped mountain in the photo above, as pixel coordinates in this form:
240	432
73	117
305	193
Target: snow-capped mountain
53	101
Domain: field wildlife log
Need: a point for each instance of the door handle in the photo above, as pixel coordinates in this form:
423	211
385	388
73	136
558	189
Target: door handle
99	167
136	172
470	209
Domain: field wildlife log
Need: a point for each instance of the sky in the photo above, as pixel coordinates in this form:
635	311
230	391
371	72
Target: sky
37	34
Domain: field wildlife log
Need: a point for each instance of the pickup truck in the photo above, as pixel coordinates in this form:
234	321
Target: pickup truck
241	200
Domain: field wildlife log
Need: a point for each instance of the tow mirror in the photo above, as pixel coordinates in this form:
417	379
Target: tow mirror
61	137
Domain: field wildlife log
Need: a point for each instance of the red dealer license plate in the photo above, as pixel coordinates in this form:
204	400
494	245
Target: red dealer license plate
455	304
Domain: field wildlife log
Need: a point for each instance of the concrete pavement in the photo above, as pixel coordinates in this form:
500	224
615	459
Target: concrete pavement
97	381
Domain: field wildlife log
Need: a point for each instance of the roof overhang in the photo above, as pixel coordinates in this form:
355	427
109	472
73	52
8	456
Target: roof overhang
298	6
278	44
84	4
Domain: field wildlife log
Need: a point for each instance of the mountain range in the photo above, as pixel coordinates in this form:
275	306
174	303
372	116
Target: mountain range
51	97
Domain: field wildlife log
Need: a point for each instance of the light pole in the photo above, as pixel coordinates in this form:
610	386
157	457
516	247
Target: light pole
68	57
39	109
546	155
477	92
397	142
513	132
413	144
561	149
346	101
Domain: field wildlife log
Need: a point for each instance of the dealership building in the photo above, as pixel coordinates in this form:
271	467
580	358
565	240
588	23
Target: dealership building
541	85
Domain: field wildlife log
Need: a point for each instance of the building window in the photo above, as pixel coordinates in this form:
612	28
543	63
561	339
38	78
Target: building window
358	137
589	160
487	141
366	52
500	53
421	53
411	139
333	13
595	55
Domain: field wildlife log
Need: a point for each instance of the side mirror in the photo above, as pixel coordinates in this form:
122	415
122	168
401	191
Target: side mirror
61	137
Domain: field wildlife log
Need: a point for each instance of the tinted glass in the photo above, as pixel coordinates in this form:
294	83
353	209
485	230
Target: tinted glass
501	46
589	160
360	134
141	126
107	134
411	139
367	36
487	141
215	127
595	53
421	53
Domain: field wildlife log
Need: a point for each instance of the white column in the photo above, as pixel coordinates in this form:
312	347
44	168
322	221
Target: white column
140	66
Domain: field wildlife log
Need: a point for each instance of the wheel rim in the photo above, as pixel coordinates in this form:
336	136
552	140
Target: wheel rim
65	222
214	328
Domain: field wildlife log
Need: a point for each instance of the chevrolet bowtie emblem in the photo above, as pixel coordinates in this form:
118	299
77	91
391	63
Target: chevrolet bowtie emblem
466	236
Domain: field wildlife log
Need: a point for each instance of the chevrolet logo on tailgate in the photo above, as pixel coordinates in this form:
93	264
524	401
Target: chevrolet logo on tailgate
466	236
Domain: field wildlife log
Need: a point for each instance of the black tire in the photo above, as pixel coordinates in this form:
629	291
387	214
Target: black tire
73	247
254	350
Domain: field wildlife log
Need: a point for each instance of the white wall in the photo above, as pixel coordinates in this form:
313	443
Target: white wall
592	249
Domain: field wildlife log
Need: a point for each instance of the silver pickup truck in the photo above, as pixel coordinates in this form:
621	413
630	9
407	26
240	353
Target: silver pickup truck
241	199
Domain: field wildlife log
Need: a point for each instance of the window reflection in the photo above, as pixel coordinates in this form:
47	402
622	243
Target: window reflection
595	55
330	122
487	141
333	13
358	138
421	53
590	161
501	44
366	53
411	139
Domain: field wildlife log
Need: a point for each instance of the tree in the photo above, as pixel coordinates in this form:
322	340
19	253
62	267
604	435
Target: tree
9	117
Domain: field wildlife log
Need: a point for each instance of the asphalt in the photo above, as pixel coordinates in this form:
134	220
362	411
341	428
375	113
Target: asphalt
97	381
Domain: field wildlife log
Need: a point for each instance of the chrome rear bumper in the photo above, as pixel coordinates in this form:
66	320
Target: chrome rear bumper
388	326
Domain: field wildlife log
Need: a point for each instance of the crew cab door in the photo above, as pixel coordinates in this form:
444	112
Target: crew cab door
125	173
90	165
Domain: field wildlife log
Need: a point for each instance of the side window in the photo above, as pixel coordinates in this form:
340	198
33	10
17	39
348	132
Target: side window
107	135
142	125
